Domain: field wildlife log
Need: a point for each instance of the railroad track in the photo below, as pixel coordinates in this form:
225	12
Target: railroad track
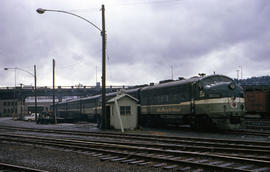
251	132
4	167
235	148
257	123
155	154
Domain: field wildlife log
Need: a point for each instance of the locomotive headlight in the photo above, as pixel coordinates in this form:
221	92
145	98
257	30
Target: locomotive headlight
232	86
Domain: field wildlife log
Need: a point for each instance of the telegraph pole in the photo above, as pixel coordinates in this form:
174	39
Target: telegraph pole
103	34
35	76
54	114
104	118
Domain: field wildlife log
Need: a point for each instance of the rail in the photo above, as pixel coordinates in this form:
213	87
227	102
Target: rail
157	156
12	167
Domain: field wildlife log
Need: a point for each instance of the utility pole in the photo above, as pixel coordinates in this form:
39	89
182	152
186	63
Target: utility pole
237	74
96	74
35	76
104	118
54	114
104	123
172	71
241	71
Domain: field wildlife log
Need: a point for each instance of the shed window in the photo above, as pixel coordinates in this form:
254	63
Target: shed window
125	110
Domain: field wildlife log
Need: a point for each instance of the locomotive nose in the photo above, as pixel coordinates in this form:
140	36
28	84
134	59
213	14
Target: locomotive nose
223	89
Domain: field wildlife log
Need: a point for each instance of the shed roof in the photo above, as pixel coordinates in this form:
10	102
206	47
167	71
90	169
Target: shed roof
118	97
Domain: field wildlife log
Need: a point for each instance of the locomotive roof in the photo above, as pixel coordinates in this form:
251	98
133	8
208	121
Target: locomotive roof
216	75
168	84
183	82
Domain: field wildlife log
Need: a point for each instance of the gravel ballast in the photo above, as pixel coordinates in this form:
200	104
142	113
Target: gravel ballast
53	159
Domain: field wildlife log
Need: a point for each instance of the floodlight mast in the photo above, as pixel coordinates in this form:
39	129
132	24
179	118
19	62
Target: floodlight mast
35	79
104	121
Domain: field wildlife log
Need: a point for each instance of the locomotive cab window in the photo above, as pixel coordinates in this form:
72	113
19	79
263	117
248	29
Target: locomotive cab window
215	79
125	110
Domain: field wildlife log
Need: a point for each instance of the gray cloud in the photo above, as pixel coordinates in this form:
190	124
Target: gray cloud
145	38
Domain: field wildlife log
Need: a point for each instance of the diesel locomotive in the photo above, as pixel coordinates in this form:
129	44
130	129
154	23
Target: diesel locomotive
201	102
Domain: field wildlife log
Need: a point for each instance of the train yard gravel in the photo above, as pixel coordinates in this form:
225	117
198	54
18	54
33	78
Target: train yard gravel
53	159
61	160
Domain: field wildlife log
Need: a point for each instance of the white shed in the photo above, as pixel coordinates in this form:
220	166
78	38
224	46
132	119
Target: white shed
123	112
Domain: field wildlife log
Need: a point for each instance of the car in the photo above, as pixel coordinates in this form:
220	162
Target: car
30	117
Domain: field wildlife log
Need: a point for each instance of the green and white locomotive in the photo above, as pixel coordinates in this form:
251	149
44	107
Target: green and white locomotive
202	102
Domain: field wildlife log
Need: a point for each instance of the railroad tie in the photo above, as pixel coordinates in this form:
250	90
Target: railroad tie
262	169
215	162
189	159
168	157
170	167
145	163
92	153
128	160
103	156
97	154
175	158
159	165
226	164
108	158
136	162
244	167
201	161
118	159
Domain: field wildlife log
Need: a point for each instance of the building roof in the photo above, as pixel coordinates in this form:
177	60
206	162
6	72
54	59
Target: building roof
118	97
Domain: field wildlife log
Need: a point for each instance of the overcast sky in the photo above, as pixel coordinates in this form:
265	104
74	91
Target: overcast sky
147	40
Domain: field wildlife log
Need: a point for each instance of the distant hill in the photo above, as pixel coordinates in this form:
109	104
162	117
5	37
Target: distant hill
261	80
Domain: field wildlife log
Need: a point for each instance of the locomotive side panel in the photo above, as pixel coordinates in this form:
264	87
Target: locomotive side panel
90	109
215	100
165	105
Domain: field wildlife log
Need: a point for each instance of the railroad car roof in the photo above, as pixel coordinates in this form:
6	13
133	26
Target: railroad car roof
182	82
172	83
97	96
79	99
